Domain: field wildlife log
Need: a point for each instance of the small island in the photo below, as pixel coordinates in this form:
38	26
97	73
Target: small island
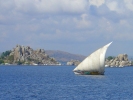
120	61
25	55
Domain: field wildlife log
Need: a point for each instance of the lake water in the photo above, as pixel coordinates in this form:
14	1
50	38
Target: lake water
60	83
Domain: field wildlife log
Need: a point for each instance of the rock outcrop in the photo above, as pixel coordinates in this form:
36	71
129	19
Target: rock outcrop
120	61
73	62
27	54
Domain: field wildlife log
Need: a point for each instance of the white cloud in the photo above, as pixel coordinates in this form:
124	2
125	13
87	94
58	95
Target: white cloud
96	2
69	21
116	6
49	6
83	22
112	5
129	4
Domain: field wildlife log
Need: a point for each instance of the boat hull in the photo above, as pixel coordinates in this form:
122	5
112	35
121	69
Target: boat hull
88	73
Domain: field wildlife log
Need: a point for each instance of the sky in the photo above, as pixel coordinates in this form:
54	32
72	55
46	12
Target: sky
74	26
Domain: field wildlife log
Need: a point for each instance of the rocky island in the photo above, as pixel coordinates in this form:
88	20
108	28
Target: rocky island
120	61
73	62
26	55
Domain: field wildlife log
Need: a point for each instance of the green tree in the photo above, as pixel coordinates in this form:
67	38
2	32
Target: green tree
110	58
5	54
1	61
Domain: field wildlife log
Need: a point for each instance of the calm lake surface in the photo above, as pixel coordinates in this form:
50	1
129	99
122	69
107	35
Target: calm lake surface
60	83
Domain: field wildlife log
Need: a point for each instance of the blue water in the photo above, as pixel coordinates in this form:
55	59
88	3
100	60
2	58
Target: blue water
60	83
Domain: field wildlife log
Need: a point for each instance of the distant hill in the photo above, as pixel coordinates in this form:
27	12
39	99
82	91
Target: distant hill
64	57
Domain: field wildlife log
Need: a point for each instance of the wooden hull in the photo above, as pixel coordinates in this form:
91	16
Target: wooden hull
87	73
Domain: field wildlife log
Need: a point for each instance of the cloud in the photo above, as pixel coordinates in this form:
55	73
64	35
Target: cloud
129	4
52	23
46	6
112	6
96	2
83	22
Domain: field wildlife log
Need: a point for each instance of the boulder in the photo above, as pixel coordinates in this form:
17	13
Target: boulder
113	63
123	57
120	61
27	54
73	62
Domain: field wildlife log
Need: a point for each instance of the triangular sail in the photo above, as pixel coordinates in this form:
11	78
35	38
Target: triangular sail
95	62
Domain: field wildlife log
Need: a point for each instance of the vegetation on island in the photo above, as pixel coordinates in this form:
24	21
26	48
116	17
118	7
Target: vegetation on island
110	58
5	57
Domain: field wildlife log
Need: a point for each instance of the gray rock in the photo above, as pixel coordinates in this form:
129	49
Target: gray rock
73	62
123	57
113	63
70	63
120	61
22	53
117	63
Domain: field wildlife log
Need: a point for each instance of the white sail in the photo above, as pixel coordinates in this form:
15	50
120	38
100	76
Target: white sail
95	62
